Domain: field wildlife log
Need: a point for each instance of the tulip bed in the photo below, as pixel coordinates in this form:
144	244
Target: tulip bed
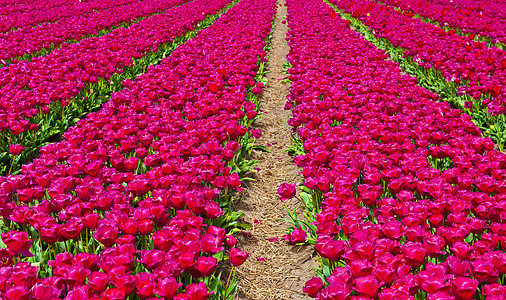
463	20
480	70
404	199
463	60
485	108
49	11
29	41
42	98
492	8
19	6
24	6
135	201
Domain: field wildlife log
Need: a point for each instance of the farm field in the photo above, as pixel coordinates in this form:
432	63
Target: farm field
253	149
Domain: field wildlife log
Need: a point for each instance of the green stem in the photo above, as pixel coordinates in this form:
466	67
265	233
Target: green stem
12	164
229	276
40	247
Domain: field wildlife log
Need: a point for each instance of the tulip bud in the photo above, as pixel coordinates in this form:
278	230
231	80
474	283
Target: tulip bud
145	226
145	285
414	253
231	241
298	236
331	249
335	291
237	257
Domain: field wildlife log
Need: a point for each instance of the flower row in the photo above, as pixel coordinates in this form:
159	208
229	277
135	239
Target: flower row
491	8
404	197
21	6
480	70
129	202
493	126
469	21
41	98
27	41
51	11
28	86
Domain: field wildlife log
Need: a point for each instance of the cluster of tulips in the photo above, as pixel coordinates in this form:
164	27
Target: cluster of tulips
28	41
408	201
40	98
29	87
23	6
469	21
129	203
480	70
492	8
35	12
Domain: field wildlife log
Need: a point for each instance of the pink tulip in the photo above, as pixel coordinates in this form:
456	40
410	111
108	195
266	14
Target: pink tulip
298	236
237	257
313	287
286	191
16	149
18	243
464	287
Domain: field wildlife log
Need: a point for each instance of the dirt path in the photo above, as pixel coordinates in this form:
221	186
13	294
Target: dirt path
274	270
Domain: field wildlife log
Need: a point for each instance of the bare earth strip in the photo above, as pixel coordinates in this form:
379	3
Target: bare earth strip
274	270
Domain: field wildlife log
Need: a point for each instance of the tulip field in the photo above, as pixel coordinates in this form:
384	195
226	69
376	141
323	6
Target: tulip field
404	195
134	201
127	131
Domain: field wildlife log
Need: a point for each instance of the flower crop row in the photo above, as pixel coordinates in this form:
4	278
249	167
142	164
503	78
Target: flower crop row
135	200
492	8
28	41
493	126
481	71
20	6
51	11
41	98
466	21
404	198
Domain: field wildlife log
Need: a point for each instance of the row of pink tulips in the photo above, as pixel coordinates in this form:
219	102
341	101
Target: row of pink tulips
133	192
28	41
21	6
480	70
492	8
29	86
42	97
492	124
405	199
468	21
51	11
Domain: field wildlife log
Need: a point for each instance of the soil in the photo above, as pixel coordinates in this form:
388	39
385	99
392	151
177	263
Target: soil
274	270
